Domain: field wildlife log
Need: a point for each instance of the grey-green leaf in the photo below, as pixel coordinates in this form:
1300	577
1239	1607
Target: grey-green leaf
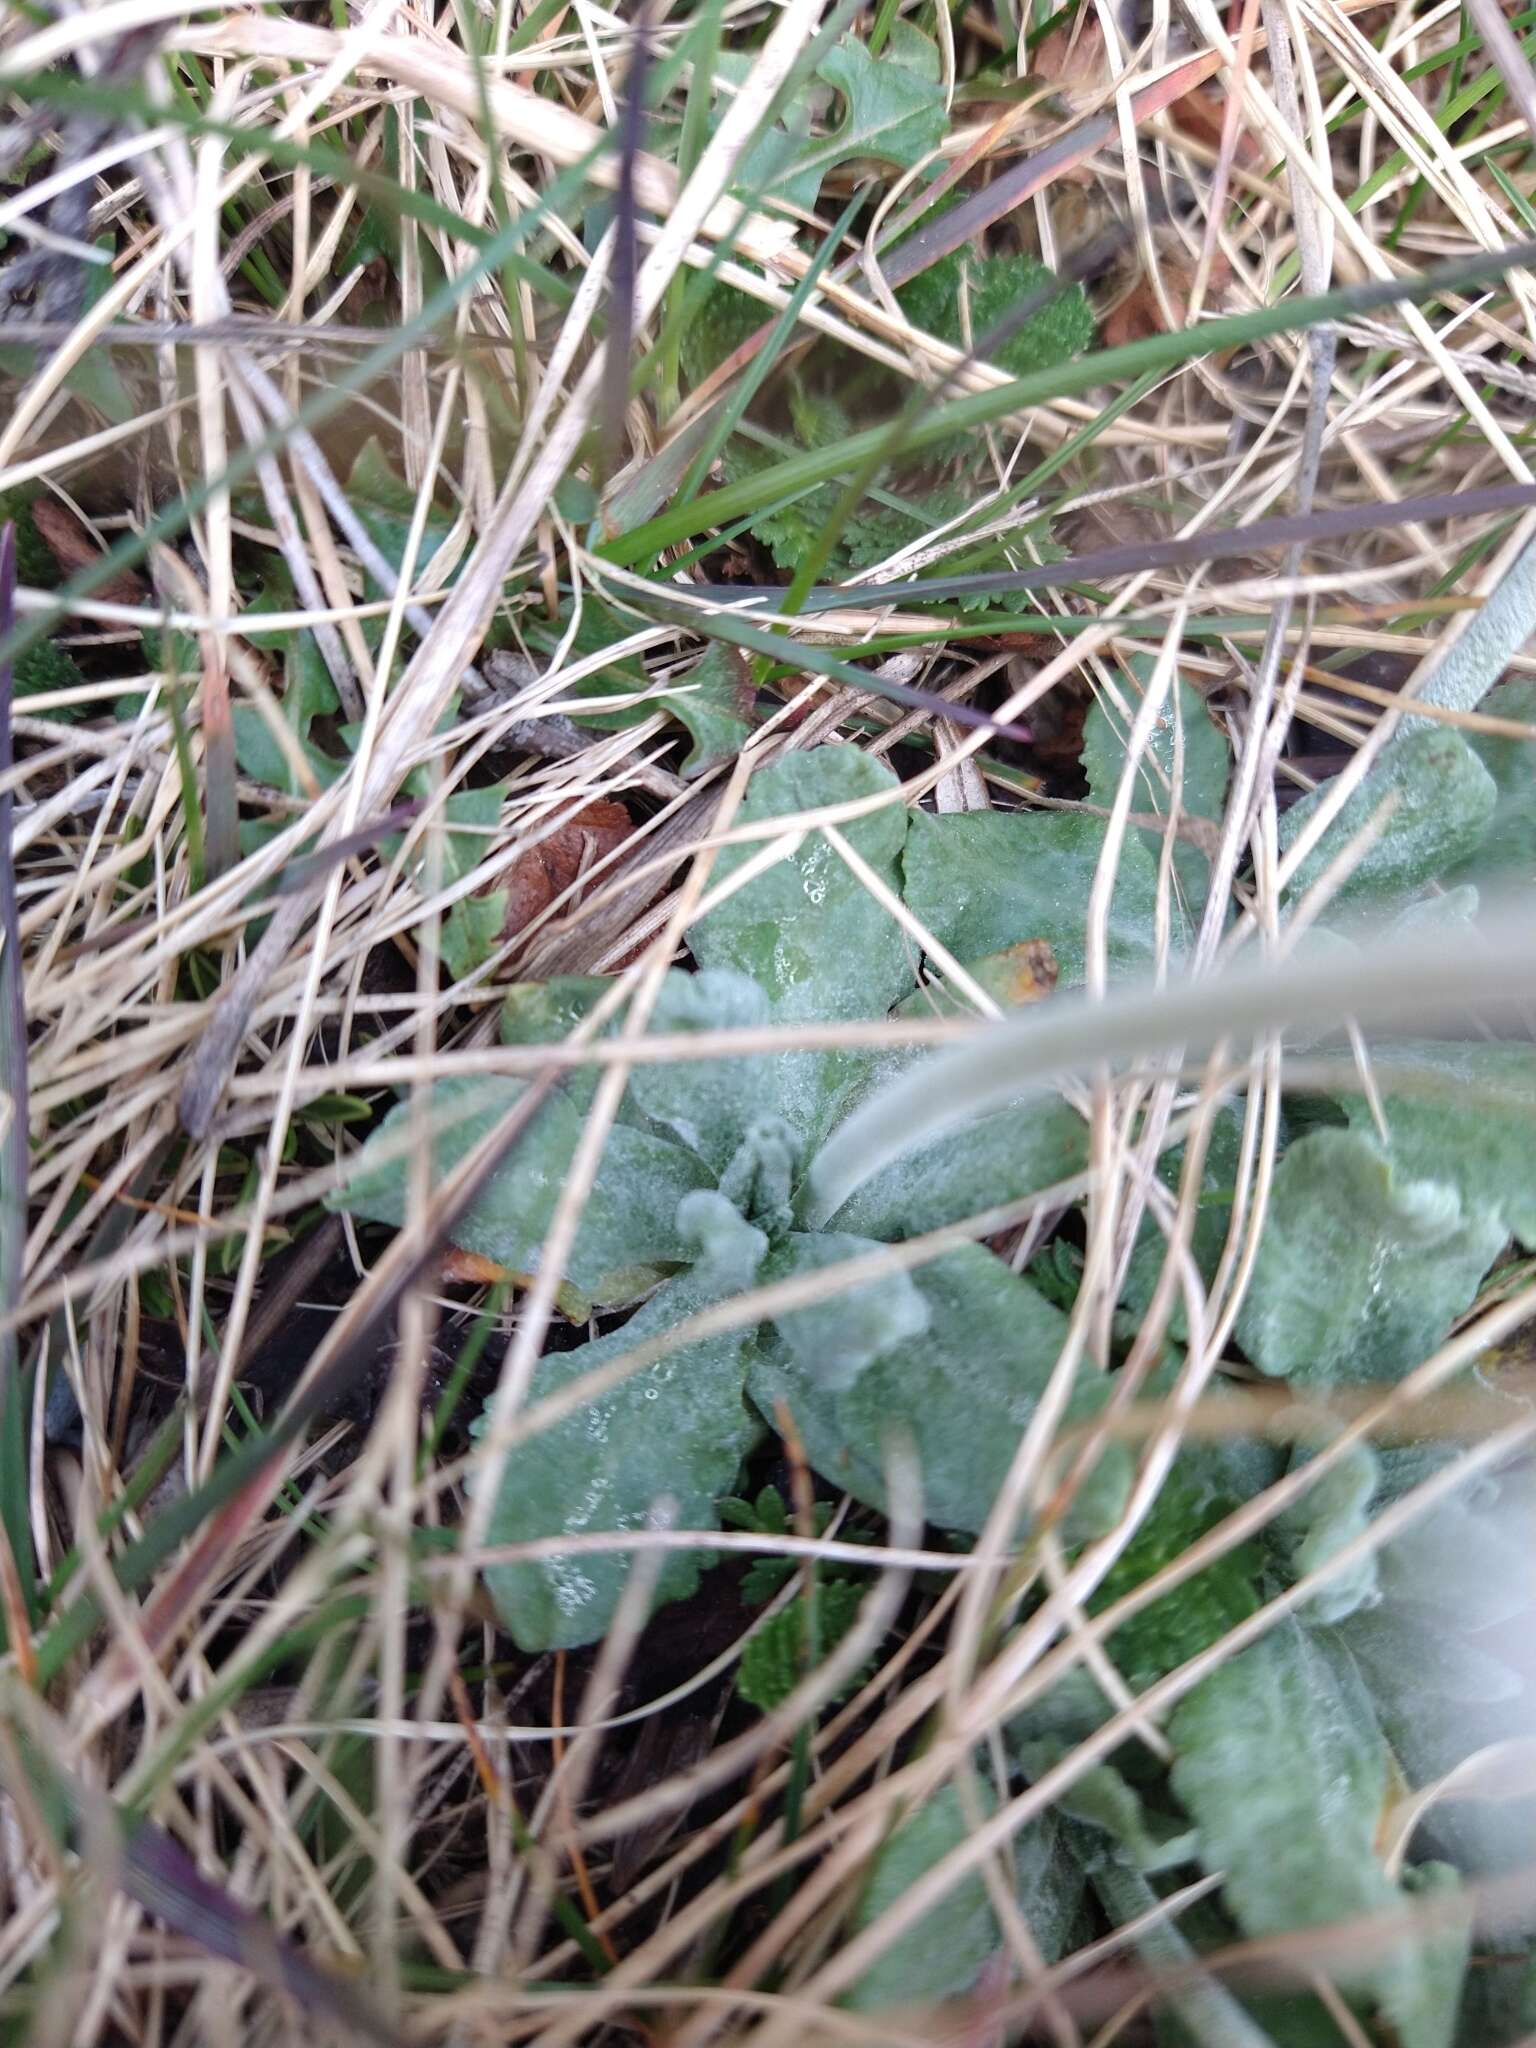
710	1102
1279	1761
998	1158
1333	1513
1488	642
1185	727
807	930
1444	801
544	1012
1362	1270
1102	1800
1213	1218
809	933
984	880
942	1955
961	1396
1463	1113
628	1222
833	1341
675	1431
1280	1764
1421	1982
1507	852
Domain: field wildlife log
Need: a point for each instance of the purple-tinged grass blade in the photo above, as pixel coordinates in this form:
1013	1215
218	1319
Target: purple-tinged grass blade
159	1875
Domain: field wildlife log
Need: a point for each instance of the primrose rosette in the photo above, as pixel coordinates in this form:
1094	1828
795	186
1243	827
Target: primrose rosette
1388	1207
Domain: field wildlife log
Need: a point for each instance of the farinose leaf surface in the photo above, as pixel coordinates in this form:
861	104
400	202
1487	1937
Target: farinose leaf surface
1463	1113
961	1396
984	880
1280	1763
628	1222
807	931
1443	803
943	1954
1361	1270
675	1432
833	1341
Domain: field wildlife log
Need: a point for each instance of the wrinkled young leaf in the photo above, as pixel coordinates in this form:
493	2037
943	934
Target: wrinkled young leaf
47	667
628	1223
983	880
1280	1763
883	526
833	1341
1507	852
676	1431
719	318
961	1395
1361	1270
1332	1513
710	1102
1463	1113
1444	803
943	1953
787	531
1203	785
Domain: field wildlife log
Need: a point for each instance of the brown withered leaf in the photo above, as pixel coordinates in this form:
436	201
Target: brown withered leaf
474	1269
1201	114
1139	313
73	548
461	1268
1072	56
545	871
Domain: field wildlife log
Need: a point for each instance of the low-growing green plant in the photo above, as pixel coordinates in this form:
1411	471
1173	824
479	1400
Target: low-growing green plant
1375	1241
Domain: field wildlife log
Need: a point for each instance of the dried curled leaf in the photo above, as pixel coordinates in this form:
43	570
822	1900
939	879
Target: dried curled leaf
73	548
548	869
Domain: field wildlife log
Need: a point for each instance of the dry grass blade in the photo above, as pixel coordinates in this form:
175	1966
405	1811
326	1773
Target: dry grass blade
15	1154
